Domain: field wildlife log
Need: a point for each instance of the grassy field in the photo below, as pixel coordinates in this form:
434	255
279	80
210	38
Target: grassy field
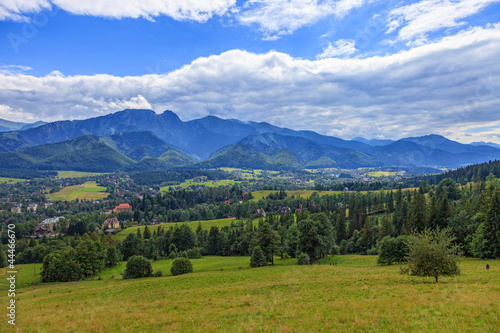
76	174
190	182
224	295
382	173
193	225
11	180
87	190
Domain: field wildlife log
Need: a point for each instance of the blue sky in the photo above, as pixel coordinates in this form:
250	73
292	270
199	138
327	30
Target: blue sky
347	68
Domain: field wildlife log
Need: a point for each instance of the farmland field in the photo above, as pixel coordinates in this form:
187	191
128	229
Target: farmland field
193	225
225	294
11	180
382	173
87	191
76	174
191	182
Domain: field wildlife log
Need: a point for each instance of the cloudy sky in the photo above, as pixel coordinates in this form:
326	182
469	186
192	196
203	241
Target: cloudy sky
371	68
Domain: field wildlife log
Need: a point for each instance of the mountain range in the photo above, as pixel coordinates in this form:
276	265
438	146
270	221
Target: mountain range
7	125
144	140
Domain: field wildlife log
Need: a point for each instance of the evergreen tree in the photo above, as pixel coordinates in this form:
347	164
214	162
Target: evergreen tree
417	218
268	240
386	227
340	227
258	259
147	233
486	240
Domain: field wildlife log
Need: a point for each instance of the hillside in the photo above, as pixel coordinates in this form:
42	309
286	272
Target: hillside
91	153
227	295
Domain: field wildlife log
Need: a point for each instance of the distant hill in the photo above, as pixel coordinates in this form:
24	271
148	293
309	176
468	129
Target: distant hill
373	142
7	125
157	141
271	151
91	153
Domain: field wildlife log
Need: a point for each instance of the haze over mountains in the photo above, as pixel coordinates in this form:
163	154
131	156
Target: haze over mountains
144	140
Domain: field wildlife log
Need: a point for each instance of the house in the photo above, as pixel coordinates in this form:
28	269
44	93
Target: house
261	212
122	208
16	209
48	204
111	223
32	207
227	202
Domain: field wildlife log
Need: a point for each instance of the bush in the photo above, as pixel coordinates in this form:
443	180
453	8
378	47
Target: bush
137	266
183	254
304	259
335	250
158	273
258	259
194	253
181	266
392	250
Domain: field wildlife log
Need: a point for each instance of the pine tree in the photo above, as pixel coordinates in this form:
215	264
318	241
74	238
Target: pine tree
258	259
147	233
386	227
340	227
417	218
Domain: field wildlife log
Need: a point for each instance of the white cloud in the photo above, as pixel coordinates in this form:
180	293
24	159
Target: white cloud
15	10
12	69
444	87
282	17
415	21
192	10
341	48
18	115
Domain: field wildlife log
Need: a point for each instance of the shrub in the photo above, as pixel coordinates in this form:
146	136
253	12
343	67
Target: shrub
392	250
158	273
137	266
194	253
181	266
172	255
304	259
258	259
183	254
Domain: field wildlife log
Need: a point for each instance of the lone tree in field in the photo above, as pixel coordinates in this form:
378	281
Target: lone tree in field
432	253
137	266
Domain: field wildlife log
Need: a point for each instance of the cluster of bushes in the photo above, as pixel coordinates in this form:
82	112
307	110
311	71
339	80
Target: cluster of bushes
139	266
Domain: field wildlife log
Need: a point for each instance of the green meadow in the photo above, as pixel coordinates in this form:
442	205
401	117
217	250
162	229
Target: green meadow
88	191
191	182
11	180
76	174
224	294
